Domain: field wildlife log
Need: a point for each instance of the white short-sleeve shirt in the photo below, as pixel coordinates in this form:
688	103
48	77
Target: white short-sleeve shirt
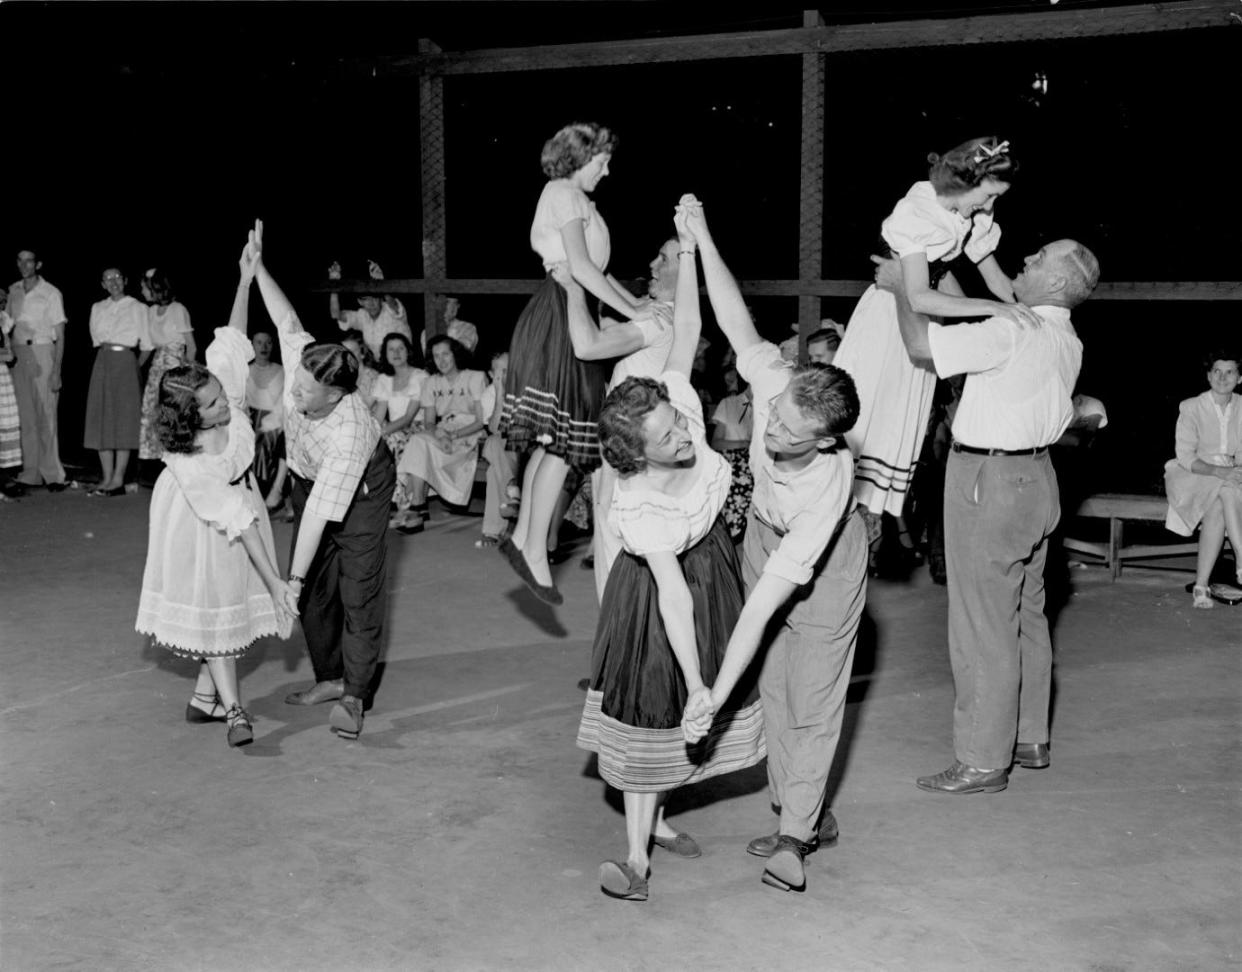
1019	379
650	360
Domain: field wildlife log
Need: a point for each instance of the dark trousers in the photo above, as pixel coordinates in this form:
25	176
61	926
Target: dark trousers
345	595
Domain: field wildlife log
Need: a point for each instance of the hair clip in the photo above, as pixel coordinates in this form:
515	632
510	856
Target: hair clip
984	153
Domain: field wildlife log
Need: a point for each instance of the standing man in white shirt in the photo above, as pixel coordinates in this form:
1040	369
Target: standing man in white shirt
1000	507
38	340
804	562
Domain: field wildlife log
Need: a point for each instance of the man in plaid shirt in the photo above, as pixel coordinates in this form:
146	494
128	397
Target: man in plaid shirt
343	480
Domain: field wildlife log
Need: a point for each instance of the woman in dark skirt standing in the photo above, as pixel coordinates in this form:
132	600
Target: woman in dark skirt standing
114	400
552	399
672	599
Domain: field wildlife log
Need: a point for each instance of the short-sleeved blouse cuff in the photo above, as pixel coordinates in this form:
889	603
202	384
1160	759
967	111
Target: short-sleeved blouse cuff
212	499
644	534
783	566
567	204
228	358
651	328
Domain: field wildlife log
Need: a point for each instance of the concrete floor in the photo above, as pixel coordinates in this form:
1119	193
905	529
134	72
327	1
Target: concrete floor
463	829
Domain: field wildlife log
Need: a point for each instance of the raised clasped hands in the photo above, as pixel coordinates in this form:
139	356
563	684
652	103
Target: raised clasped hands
334	271
373	269
696	720
252	252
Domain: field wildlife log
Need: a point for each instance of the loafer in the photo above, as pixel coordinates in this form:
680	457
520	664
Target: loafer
784	869
346	717
827	837
618	880
1032	755
960	778
319	692
683	845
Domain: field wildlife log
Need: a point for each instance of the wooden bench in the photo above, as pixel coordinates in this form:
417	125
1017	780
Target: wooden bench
1117	508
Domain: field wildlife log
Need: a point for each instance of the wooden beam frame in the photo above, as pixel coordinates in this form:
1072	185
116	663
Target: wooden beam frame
1042	25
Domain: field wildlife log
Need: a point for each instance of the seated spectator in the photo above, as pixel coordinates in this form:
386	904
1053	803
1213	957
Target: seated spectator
501	463
732	423
265	384
444	456
398	395
378	315
463	331
821	344
1204	481
368	369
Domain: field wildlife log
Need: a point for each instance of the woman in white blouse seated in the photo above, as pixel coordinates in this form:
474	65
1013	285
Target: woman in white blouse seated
397	395
444	456
671	601
1204	482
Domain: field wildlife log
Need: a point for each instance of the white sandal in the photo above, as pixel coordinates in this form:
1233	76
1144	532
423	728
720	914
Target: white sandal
1203	597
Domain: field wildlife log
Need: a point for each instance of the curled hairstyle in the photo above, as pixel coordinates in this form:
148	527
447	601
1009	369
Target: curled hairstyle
622	441
573	147
961	169
333	365
160	286
461	357
411	357
177	419
828	335
826	394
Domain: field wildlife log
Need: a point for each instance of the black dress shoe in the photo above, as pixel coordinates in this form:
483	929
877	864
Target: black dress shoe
826	837
1032	755
960	778
57	487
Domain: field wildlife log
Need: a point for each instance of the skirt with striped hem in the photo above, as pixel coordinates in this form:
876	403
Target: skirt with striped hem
10	423
552	398
636	697
114	401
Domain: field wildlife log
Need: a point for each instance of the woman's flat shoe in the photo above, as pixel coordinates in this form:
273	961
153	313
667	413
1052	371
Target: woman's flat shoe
517	560
241	732
1202	598
196	716
619	880
683	845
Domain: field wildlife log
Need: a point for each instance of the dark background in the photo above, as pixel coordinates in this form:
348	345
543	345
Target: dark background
152	134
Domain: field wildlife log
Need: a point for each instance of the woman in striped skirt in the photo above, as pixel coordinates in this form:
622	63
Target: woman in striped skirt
672	599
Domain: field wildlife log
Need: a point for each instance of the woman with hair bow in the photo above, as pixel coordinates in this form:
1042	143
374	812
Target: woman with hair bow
935	222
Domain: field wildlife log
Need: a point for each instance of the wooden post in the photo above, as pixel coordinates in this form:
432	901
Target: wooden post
811	228
431	145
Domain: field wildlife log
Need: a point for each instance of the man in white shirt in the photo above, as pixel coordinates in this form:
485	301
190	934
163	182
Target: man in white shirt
1000	506
38	340
804	564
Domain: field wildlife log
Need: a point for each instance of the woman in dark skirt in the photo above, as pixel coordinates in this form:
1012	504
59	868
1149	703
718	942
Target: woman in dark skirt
114	401
552	399
672	599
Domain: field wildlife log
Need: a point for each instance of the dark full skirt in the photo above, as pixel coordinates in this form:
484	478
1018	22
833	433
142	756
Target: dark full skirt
632	716
114	401
552	398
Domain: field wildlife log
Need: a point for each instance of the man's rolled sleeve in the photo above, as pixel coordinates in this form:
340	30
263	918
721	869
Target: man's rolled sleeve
762	367
970	349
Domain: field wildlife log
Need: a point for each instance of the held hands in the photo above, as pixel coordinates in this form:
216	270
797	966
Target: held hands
696	721
252	252
694	222
334	271
685	239
285	597
373	269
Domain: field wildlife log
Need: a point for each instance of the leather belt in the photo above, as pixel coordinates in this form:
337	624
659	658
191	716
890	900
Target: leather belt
974	451
31	341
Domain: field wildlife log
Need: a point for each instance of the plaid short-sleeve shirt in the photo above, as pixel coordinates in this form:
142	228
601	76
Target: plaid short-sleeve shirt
333	451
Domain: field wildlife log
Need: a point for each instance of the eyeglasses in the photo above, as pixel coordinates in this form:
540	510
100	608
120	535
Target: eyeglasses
112	278
776	426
